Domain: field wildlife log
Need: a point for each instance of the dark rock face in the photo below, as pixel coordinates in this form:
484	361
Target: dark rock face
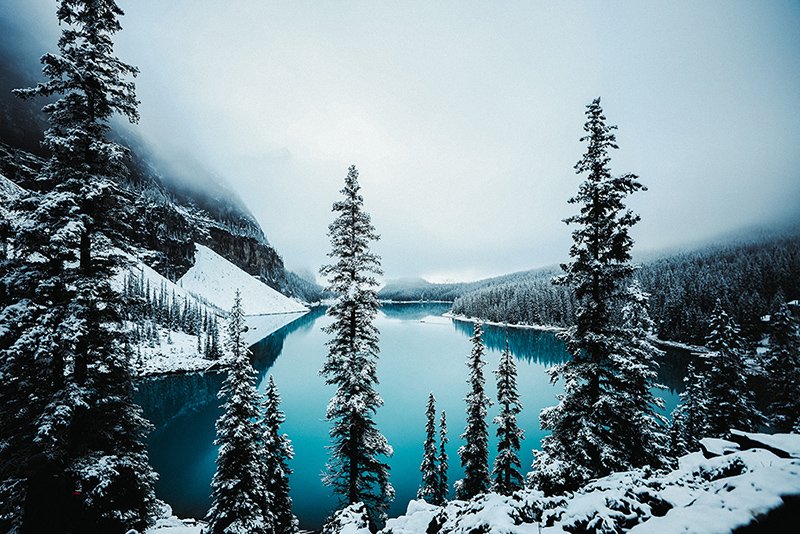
166	237
249	254
164	228
170	207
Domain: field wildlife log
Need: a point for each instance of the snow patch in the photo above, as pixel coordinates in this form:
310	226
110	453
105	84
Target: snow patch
702	496
177	351
216	280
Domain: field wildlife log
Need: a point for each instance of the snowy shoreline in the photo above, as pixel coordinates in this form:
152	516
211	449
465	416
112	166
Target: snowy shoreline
541	327
390	301
181	357
551	328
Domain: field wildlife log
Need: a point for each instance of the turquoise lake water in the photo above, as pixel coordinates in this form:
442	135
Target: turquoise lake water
418	356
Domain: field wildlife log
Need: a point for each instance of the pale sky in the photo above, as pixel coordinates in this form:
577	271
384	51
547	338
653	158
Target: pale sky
464	117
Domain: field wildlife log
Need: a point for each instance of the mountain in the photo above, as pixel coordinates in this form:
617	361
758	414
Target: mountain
173	204
417	289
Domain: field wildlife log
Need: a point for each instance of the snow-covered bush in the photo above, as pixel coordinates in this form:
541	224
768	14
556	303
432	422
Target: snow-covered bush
350	520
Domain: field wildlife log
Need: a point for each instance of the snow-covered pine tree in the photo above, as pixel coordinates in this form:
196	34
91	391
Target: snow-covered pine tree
635	406
506	470
782	363
689	417
582	445
239	496
66	257
277	453
730	400
355	469
429	467
442	487
474	453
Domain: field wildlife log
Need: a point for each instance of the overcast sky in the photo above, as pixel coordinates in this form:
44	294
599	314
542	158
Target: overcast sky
464	117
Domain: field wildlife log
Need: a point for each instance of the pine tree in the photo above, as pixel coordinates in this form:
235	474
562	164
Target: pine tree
474	453
689	417
84	418
589	437
636	418
730	401
782	363
238	489
429	468
277	453
442	487
506	470
355	471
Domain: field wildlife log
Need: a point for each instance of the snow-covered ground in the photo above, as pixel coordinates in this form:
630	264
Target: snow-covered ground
216	280
175	353
211	284
703	496
732	488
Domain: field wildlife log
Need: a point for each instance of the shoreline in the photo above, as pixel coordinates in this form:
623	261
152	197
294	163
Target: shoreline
390	301
556	329
540	327
260	326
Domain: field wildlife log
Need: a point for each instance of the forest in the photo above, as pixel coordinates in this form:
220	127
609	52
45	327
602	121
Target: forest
75	318
750	278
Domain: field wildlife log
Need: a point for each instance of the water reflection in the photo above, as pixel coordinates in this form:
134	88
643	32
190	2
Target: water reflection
533	346
266	351
416	357
414	311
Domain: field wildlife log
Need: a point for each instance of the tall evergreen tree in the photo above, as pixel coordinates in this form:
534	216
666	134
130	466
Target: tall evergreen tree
355	470
730	401
589	438
276	455
239	496
506	470
429	468
474	453
84	418
643	429
442	487
782	363
689	417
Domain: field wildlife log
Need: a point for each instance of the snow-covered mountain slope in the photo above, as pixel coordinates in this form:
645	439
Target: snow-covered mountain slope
168	349
216	280
8	188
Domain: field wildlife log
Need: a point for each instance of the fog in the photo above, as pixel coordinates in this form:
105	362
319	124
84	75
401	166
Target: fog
464	117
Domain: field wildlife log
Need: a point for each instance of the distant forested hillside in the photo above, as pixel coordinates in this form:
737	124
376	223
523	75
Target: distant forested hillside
417	289
749	277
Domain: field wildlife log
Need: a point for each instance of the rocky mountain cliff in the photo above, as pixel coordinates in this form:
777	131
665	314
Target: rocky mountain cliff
172	207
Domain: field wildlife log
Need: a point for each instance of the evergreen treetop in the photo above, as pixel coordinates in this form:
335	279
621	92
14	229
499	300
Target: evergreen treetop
474	453
429	470
597	427
239	494
276	455
506	470
730	400
355	470
783	369
442	488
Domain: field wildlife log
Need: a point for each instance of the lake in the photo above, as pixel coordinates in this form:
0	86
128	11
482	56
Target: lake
421	352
